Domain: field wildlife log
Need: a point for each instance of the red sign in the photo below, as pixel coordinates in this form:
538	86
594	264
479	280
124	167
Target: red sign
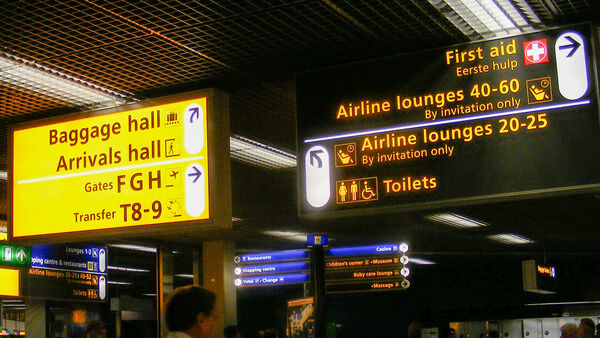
535	51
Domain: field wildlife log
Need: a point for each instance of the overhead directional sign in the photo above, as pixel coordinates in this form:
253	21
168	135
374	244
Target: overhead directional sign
82	258
14	255
489	120
367	268
272	268
272	256
67	271
133	167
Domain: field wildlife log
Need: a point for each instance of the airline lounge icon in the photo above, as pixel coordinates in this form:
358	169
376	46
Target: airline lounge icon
539	90
345	155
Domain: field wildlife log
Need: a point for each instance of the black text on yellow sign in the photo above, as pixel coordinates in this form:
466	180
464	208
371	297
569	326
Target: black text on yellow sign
137	167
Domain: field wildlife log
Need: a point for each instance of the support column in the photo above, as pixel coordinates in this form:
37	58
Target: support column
164	284
197	266
35	318
218	276
317	268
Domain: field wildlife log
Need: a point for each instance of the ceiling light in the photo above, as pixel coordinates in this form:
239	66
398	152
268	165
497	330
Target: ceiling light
118	283
184	275
134	247
124	269
564	303
236	219
488	18
420	261
149	294
293	236
253	152
44	80
455	220
3	175
510	239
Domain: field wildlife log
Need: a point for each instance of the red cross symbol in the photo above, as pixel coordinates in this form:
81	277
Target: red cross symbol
535	51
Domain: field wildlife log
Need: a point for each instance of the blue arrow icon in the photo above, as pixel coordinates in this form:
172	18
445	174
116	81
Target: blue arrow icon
195	112
197	174
314	155
573	46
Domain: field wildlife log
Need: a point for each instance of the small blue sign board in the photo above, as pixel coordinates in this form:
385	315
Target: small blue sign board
381	249
272	280
272	256
271	268
80	258
316	240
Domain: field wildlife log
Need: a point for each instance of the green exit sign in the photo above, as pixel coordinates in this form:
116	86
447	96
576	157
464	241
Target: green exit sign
14	255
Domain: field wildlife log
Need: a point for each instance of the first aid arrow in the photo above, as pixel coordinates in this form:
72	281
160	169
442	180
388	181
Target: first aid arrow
574	45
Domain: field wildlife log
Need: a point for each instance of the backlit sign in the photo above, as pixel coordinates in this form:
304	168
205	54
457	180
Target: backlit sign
367	268
10	282
509	117
539	278
272	280
64	284
67	271
81	258
139	166
272	268
272	256
14	255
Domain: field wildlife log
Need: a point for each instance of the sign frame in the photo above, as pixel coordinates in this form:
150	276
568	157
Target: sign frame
219	181
318	213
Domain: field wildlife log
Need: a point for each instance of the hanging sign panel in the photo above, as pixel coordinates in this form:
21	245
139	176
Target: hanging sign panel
370	268
134	167
272	268
516	116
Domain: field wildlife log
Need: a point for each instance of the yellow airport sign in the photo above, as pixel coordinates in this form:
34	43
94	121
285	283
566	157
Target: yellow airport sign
138	167
10	282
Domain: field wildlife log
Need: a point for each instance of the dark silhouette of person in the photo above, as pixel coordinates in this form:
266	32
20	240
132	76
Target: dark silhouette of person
586	328
189	312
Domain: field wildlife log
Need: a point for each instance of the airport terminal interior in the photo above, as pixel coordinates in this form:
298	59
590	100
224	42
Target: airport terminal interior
348	168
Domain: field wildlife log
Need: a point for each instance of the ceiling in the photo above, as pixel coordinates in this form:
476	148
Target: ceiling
252	49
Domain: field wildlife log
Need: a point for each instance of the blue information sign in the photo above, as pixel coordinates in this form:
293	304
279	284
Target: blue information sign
271	268
381	249
272	256
272	280
81	258
316	240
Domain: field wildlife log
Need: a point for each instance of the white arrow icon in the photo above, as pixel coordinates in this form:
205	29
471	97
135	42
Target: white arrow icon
571	65
318	185
21	256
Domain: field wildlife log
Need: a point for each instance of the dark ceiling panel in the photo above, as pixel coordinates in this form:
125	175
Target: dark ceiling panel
15	102
137	65
44	30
